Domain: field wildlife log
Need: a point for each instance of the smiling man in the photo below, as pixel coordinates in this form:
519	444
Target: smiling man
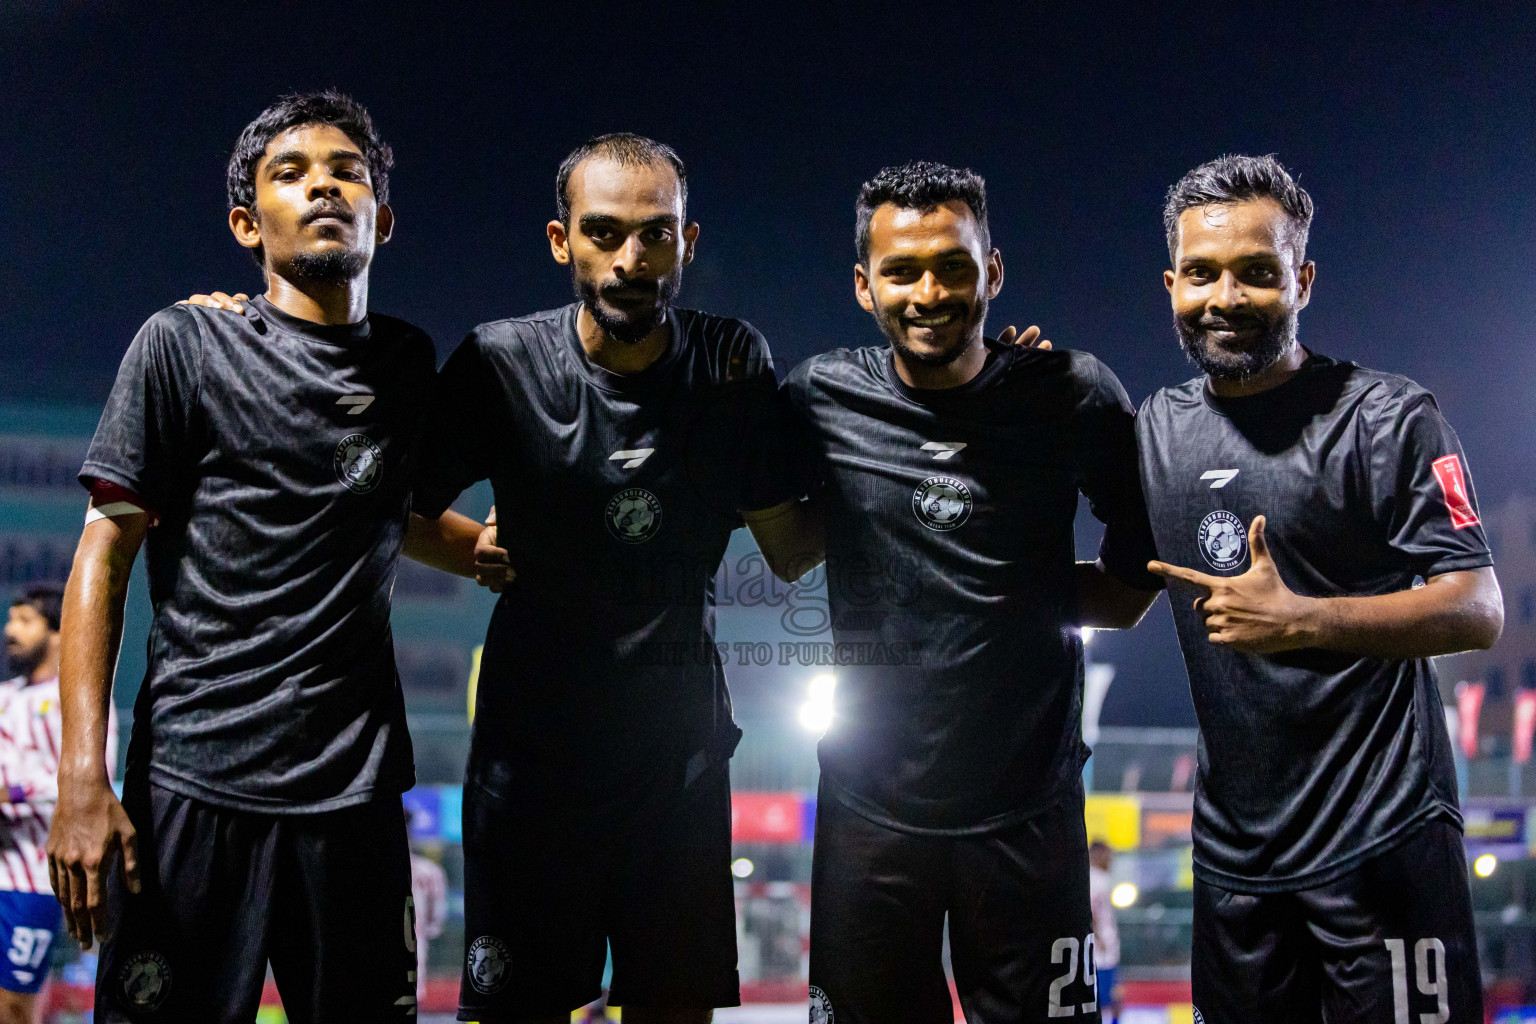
1326	519
264	460
624	438
948	468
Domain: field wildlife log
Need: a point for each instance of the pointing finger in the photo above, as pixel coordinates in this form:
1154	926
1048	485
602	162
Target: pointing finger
1178	572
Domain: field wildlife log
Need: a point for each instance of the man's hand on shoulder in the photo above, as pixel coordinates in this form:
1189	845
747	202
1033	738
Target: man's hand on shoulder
1029	339
219	300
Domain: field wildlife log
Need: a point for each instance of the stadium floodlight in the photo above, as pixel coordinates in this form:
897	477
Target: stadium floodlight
1485	865
816	712
741	867
1123	895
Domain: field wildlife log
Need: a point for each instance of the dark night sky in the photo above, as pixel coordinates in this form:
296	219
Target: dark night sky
1415	133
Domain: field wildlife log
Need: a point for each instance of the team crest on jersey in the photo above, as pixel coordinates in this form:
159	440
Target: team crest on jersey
821	1007
359	463
634	515
489	966
1223	540
942	503
144	981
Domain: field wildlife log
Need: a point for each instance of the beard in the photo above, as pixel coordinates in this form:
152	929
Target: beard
629	326
1275	338
333	266
891	326
24	660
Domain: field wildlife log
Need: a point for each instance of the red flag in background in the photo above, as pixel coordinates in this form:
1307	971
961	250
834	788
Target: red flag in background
1469	703
1525	724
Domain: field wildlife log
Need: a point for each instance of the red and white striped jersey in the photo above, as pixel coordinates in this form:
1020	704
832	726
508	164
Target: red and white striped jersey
31	732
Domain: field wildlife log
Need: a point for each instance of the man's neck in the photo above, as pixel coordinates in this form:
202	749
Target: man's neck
1267	379
951	375
49	669
619	356
320	302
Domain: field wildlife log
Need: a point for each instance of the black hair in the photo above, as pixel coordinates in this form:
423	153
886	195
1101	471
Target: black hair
625	149
294	111
47	599
920	185
1235	179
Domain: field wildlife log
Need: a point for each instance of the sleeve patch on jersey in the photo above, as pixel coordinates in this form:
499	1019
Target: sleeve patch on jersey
1453	485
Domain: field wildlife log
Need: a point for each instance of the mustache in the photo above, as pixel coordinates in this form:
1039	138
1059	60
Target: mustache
958	308
632	287
328	208
1231	323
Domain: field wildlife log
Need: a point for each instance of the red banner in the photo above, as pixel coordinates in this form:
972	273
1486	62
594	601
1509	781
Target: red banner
1469	703
1525	724
766	818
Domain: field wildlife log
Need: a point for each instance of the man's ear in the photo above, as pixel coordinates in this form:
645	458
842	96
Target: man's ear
559	241
690	237
861	287
994	274
1304	278
244	226
1168	279
384	225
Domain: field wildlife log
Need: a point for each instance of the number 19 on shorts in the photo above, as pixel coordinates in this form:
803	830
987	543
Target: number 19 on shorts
1430	978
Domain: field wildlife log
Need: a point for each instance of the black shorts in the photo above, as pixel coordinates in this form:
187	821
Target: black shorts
325	897
1390	941
1020	927
547	892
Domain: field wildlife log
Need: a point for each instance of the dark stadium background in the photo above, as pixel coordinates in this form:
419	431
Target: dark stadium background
1414	128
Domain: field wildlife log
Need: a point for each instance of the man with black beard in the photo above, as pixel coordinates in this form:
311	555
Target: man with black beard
947	467
265	461
624	438
1331	515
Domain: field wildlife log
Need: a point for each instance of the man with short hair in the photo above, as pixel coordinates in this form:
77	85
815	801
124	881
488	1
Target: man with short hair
947	467
264	459
1106	930
624	438
30	731
1331	516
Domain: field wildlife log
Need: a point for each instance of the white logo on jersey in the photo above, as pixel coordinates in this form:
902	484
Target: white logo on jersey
634	455
943	450
942	503
357	402
634	515
1219	477
358	462
1223	540
821	1007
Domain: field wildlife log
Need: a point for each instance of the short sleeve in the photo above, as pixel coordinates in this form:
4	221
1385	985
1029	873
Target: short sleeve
1421	486
1109	476
454	451
766	475
804	462
143	441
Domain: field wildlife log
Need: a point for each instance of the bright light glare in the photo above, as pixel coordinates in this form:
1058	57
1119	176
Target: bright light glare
1123	895
816	712
742	868
1485	865
1087	633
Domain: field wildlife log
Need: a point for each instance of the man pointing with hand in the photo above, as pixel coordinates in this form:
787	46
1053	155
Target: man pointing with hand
1320	543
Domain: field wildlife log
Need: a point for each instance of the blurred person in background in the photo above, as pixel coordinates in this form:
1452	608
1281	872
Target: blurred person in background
1106	933
30	733
429	893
